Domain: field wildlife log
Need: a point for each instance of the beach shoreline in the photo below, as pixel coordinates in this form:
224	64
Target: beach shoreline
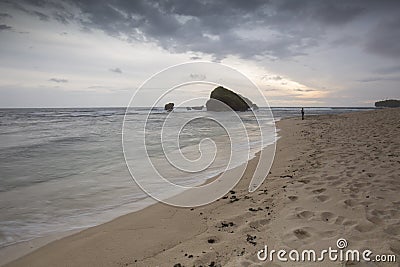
296	207
17	250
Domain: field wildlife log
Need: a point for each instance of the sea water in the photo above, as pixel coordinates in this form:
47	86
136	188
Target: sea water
64	169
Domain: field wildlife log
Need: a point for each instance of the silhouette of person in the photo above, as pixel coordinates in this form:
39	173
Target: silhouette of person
302	113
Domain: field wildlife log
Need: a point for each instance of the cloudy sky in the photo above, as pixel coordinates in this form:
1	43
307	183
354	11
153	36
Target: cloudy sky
300	53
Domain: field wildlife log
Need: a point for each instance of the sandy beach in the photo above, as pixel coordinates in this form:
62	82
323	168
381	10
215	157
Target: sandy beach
334	176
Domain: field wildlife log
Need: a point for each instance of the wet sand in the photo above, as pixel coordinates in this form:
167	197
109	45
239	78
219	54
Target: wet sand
334	176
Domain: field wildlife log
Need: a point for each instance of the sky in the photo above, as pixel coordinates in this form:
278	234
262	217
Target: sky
299	53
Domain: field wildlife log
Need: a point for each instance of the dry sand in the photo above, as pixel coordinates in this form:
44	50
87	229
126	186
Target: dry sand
334	176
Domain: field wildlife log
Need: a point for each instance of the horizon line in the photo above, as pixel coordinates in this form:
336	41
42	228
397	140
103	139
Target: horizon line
110	107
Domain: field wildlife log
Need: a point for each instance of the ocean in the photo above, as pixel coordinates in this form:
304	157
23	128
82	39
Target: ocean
63	168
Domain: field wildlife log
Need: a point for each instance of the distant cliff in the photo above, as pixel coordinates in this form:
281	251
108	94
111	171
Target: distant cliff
391	103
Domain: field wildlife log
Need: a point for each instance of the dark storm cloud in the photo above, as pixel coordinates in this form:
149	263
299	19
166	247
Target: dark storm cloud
27	9
368	80
4	27
384	39
334	14
248	29
5	15
41	15
116	70
389	70
57	80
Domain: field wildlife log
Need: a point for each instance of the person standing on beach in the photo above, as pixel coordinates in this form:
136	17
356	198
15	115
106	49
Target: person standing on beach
302	113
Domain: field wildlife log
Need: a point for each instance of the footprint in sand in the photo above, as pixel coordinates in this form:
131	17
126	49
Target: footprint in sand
385	214
321	198
305	214
304	181
393	229
339	220
364	227
319	191
375	220
293	198
349	222
332	178
335	183
395	247
328	217
350	203
360	185
393	213
301	233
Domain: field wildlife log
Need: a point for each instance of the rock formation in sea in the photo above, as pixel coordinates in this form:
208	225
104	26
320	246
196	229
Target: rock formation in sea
169	107
232	100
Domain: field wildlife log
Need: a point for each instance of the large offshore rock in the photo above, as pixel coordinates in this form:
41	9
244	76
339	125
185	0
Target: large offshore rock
220	96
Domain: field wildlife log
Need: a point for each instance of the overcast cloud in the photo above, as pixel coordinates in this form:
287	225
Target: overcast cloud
116	70
58	80
314	52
